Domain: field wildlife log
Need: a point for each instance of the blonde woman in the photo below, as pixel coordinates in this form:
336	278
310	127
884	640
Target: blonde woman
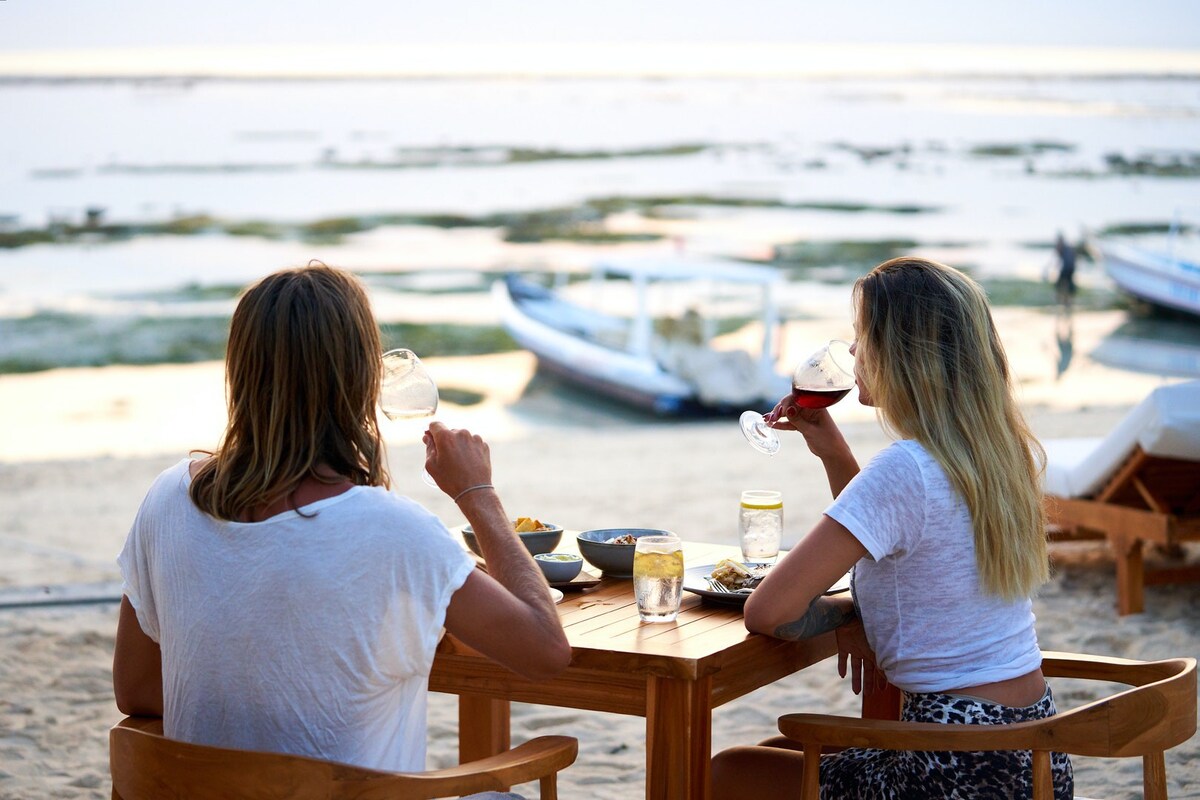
945	531
277	595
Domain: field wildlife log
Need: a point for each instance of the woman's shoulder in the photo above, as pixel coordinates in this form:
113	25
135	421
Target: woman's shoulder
902	454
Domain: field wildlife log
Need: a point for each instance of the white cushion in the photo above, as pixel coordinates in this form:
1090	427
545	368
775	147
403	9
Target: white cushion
1166	423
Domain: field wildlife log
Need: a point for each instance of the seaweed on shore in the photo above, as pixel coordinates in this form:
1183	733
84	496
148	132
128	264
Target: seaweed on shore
1166	164
1019	149
445	339
53	339
1140	228
585	222
837	260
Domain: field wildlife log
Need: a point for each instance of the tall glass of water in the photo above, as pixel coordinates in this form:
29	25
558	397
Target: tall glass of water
760	525
658	577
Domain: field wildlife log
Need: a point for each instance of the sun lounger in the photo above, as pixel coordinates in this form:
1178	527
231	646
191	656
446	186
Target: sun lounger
1140	484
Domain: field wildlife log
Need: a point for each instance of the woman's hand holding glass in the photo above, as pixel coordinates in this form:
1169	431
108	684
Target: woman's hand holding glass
817	382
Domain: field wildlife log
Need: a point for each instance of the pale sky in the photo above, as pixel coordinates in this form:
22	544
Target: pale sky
72	24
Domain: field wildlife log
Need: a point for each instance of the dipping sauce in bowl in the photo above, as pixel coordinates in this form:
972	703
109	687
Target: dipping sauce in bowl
559	567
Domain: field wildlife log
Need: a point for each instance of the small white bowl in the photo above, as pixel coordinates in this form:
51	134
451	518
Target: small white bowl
559	567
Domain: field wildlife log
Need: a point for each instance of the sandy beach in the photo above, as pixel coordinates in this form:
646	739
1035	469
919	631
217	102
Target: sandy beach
75	464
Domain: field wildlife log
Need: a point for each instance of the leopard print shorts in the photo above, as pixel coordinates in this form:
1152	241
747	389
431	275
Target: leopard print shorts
862	774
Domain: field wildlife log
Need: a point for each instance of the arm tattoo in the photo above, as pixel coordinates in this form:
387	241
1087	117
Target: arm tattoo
822	616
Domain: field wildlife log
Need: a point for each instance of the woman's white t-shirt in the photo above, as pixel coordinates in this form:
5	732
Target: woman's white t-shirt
311	635
925	614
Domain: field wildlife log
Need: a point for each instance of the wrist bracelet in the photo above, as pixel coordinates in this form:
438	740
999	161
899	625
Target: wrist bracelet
470	489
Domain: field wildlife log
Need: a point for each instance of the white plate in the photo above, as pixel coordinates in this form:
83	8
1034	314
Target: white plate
556	595
695	581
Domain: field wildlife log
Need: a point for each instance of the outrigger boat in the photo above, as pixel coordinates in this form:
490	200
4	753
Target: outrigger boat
1163	276
665	364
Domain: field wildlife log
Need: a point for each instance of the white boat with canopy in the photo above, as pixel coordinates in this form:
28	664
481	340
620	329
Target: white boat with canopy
666	360
1163	272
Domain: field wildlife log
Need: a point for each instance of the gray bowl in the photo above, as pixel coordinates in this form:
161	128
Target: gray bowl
535	541
616	560
561	569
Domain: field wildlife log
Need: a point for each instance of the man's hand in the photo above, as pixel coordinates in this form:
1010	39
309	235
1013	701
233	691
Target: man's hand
456	458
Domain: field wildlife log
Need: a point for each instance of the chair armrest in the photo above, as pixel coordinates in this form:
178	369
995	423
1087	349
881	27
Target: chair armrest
534	759
892	735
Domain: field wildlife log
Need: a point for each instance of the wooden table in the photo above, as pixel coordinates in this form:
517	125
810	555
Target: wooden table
673	674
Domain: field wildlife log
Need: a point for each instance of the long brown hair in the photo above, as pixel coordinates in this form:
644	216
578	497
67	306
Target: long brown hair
302	374
935	368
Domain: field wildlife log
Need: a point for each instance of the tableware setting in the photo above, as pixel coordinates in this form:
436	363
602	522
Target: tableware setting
559	567
760	525
658	577
611	549
407	392
543	539
817	382
699	580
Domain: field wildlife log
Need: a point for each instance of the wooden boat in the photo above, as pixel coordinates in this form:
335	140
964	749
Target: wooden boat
664	364
1162	277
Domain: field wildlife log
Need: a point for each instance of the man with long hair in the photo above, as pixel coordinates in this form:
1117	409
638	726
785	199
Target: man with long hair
277	596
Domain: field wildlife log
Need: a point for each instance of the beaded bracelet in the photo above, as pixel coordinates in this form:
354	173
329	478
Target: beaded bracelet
473	488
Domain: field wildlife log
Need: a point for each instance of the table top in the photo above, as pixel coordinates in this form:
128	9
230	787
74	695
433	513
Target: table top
605	632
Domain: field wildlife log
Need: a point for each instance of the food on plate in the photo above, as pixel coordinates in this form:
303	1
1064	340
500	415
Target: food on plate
529	525
735	575
624	538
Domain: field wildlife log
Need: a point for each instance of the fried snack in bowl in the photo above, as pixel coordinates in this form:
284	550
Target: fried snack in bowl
537	536
529	525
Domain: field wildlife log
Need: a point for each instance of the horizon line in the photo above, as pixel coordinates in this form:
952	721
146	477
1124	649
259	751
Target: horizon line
594	60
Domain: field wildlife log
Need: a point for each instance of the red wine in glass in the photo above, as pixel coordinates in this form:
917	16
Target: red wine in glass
817	382
817	398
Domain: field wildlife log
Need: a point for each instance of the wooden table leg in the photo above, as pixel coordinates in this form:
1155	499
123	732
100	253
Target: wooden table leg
678	738
483	727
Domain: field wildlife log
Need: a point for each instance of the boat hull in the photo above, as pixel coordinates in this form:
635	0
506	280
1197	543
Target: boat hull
618	375
1155	278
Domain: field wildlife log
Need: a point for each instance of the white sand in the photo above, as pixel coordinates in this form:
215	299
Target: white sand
69	487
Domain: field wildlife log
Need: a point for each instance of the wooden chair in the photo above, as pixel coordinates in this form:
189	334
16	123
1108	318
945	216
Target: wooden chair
1159	713
1139	485
146	765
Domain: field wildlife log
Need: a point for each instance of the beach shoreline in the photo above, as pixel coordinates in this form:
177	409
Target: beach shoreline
579	466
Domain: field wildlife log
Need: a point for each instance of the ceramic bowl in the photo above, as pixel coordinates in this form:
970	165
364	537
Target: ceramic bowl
616	560
559	567
535	541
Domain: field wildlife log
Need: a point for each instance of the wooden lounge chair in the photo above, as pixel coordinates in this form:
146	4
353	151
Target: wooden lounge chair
1144	721
1138	485
148	766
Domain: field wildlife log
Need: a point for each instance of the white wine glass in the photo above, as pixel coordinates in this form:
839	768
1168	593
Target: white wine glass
407	392
818	381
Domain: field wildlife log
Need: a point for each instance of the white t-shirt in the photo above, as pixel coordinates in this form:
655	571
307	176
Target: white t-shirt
927	618
313	636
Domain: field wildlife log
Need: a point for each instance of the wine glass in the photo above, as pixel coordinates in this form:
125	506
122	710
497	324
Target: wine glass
819	381
407	392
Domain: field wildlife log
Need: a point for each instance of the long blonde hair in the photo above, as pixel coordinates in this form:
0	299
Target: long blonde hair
302	379
934	366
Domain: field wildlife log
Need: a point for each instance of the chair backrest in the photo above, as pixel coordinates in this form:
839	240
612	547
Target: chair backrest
146	765
1157	713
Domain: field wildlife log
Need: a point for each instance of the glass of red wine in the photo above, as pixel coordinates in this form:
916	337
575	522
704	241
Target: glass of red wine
818	381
